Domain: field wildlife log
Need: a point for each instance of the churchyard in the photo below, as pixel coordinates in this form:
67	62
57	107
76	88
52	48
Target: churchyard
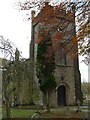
60	112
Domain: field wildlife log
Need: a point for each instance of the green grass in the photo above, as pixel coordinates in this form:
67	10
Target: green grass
17	113
0	112
54	114
27	112
58	114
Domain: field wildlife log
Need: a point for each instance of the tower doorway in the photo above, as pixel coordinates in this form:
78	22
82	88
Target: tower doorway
61	95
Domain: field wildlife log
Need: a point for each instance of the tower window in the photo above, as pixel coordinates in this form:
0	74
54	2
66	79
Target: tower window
62	57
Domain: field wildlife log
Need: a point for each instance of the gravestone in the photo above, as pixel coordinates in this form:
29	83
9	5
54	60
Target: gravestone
78	106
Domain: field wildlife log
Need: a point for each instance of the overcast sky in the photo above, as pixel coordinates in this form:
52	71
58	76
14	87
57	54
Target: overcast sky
15	27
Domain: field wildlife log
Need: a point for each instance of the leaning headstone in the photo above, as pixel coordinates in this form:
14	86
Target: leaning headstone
67	110
78	106
36	115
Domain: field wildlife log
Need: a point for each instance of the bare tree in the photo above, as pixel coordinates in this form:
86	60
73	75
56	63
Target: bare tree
7	48
8	54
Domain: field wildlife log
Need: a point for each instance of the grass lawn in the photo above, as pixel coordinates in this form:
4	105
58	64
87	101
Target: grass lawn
26	112
21	113
58	114
0	112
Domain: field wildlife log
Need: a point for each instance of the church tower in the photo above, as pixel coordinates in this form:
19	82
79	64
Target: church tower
67	74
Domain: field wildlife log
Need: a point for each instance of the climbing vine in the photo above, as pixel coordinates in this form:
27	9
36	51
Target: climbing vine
45	67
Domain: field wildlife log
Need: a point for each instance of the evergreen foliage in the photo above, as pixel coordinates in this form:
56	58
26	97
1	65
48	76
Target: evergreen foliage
45	64
45	68
48	83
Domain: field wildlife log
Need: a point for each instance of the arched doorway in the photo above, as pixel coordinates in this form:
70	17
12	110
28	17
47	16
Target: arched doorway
61	95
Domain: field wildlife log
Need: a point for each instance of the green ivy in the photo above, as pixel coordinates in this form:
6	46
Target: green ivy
45	66
48	83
